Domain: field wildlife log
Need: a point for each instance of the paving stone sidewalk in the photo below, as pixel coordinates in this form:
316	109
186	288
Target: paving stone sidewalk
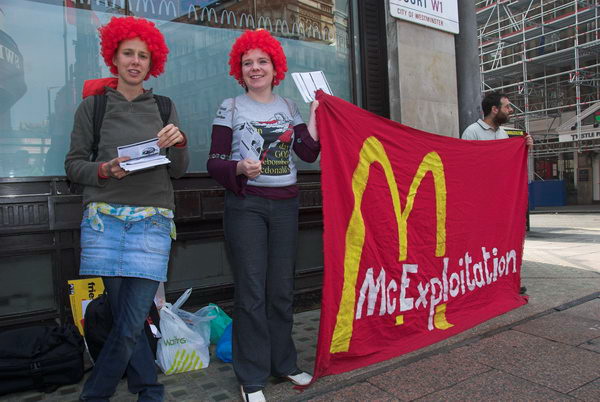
548	349
215	383
555	356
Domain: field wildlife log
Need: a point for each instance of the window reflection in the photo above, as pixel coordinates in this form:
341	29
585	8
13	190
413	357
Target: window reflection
22	294
57	50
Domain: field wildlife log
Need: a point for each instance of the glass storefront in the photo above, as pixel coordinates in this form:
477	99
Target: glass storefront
48	48
30	284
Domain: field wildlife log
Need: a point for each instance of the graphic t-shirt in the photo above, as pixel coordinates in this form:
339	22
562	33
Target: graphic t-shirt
273	122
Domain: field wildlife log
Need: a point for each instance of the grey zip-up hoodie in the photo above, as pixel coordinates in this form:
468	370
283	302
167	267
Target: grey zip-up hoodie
124	123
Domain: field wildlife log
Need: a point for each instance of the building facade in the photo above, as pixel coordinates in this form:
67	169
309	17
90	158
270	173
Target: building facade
48	48
545	55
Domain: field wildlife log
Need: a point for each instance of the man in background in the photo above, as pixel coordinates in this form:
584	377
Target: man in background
496	112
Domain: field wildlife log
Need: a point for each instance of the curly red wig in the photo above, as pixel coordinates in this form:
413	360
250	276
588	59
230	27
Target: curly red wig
122	28
258	39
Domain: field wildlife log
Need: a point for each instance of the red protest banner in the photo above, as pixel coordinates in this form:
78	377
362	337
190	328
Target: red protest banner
423	235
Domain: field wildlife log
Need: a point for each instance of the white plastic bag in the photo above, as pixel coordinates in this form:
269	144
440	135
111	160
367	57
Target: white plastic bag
182	299
199	321
181	349
159	297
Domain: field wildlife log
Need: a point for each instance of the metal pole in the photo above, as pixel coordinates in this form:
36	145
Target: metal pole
49	103
467	66
577	100
530	160
65	42
577	75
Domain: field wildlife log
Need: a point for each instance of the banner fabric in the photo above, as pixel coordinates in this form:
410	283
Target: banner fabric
423	235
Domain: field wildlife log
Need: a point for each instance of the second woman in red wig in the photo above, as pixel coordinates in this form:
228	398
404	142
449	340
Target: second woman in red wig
253	137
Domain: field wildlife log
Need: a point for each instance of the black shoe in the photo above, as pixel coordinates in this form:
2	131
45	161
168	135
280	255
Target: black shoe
523	290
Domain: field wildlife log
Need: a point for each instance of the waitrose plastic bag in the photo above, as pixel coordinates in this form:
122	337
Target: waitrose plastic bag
181	349
200	321
210	316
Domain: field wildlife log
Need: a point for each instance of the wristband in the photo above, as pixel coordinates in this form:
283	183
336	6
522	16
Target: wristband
100	171
183	143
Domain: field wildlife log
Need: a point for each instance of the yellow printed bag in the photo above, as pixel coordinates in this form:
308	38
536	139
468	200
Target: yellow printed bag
81	293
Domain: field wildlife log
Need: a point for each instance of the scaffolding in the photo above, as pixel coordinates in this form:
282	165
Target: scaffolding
545	55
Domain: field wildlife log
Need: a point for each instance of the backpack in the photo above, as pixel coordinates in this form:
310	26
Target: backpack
98	322
40	357
164	104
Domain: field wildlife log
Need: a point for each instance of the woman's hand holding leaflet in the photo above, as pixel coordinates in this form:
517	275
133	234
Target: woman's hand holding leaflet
249	168
112	168
312	121
169	136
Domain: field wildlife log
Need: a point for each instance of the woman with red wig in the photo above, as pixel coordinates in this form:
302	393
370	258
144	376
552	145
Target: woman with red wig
253	137
127	225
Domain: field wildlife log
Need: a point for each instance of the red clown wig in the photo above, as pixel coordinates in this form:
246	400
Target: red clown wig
124	28
258	39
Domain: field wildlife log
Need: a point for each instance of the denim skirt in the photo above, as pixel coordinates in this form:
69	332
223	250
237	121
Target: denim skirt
137	249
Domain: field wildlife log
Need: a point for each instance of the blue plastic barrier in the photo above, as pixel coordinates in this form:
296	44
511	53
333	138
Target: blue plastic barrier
548	193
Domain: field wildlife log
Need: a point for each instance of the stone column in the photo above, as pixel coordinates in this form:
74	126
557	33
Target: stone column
422	76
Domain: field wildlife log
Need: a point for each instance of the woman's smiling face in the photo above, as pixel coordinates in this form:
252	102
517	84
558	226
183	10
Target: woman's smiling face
257	70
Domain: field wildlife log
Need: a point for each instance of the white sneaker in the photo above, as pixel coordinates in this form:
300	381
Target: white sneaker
257	396
302	378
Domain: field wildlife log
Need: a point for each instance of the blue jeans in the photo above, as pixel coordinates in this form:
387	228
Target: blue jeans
127	348
261	238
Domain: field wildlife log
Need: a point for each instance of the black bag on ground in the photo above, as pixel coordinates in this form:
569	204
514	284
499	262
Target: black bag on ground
98	323
41	358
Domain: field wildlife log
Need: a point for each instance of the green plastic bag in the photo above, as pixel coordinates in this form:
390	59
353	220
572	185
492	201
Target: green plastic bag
218	324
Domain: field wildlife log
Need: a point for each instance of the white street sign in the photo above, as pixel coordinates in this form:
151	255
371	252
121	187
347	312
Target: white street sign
576	137
438	14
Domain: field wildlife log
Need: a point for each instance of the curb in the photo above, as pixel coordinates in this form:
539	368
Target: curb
556	212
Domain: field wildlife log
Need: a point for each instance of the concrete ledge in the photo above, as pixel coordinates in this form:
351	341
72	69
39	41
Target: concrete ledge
568	209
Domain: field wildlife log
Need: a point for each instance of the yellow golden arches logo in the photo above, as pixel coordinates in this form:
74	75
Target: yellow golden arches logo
371	152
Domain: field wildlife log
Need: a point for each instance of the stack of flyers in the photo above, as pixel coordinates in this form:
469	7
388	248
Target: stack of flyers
251	143
309	83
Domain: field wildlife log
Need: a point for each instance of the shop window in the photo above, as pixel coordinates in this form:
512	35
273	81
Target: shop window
49	47
546	168
567	166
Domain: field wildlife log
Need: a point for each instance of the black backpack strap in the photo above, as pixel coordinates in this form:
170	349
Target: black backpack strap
98	116
164	107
